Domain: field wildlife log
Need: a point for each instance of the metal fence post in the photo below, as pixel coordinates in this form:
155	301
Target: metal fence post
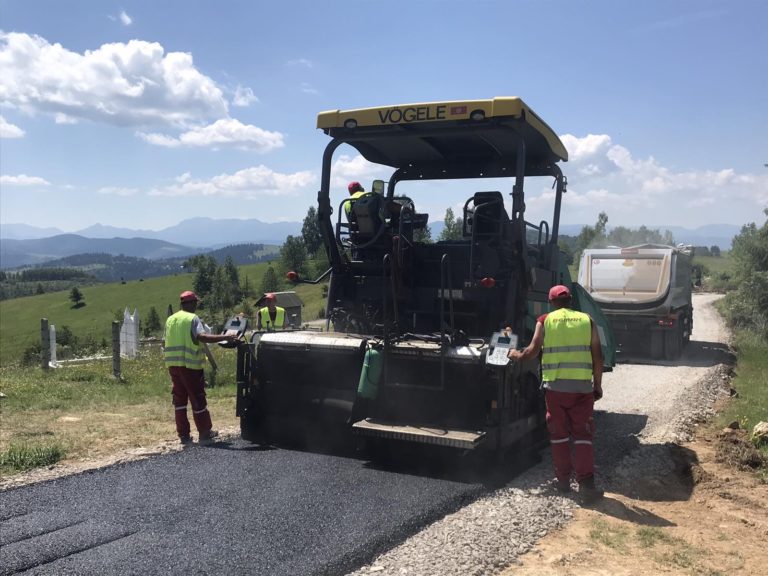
45	337
116	349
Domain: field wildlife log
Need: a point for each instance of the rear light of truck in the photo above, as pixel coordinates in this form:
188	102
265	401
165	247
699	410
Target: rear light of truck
667	322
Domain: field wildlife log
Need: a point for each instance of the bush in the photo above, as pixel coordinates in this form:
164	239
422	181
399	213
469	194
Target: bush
721	282
747	307
31	356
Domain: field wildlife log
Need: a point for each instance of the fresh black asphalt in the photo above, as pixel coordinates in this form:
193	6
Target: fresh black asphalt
236	508
230	508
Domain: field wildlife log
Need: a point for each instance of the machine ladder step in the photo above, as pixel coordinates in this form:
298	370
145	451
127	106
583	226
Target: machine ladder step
464	439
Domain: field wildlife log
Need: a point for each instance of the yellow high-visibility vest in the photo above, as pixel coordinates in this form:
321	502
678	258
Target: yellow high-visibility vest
351	200
279	317
566	362
180	349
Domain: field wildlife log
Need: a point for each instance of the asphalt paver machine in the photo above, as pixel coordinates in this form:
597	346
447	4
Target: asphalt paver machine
417	332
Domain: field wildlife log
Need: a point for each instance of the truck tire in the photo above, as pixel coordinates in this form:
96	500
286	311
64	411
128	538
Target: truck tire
673	343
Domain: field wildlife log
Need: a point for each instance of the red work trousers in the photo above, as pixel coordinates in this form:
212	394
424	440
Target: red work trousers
570	417
189	384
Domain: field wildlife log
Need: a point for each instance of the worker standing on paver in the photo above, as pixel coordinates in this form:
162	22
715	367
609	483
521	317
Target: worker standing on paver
572	370
184	357
356	191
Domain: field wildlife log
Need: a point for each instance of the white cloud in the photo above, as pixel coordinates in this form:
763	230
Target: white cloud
61	118
243	97
308	89
604	176
303	62
117	191
8	130
227	132
135	83
250	183
347	168
23	180
125	19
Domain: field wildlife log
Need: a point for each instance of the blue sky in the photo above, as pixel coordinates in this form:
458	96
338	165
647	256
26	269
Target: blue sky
143	113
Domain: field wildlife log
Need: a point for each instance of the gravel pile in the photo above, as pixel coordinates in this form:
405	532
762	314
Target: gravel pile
698	402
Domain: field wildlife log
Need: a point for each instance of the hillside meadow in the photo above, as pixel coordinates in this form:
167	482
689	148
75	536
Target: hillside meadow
20	317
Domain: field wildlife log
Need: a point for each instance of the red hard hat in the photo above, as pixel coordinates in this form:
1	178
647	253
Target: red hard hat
189	296
354	187
270	296
559	291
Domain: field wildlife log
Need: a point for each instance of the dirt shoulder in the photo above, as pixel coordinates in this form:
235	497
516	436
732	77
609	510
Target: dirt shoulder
704	517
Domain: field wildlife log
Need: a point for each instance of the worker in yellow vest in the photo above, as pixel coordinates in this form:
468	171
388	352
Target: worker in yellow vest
183	354
272	316
356	191
572	372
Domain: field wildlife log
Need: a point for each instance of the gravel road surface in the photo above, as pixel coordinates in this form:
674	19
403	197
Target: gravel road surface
233	508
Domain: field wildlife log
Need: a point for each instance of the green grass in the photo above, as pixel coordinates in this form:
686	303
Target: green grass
750	406
611	535
649	536
20	457
20	317
83	412
718	272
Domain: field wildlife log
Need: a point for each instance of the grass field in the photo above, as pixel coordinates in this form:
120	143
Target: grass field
82	412
20	317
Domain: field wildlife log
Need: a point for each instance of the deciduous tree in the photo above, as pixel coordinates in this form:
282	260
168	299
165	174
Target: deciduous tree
310	232
452	227
293	255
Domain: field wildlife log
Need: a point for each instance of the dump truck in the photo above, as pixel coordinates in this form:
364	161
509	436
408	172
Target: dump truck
415	352
646	293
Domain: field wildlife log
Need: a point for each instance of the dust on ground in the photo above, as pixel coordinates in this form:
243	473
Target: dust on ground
709	516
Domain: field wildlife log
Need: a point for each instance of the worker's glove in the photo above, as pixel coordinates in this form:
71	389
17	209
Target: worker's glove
598	393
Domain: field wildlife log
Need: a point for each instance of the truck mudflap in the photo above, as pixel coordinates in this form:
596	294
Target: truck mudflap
463	439
585	303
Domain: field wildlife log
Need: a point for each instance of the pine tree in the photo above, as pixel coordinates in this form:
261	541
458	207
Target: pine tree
270	282
77	297
152	323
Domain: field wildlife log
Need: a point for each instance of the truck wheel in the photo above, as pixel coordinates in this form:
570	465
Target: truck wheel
673	343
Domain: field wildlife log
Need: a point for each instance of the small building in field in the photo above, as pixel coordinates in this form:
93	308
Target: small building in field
288	300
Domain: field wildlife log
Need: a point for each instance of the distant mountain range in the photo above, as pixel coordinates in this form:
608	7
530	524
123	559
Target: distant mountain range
15	253
197	232
22	244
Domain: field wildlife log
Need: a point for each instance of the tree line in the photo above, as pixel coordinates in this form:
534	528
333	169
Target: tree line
746	307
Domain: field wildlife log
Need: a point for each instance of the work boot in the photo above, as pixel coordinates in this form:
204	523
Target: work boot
185	439
208	437
588	492
562	486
